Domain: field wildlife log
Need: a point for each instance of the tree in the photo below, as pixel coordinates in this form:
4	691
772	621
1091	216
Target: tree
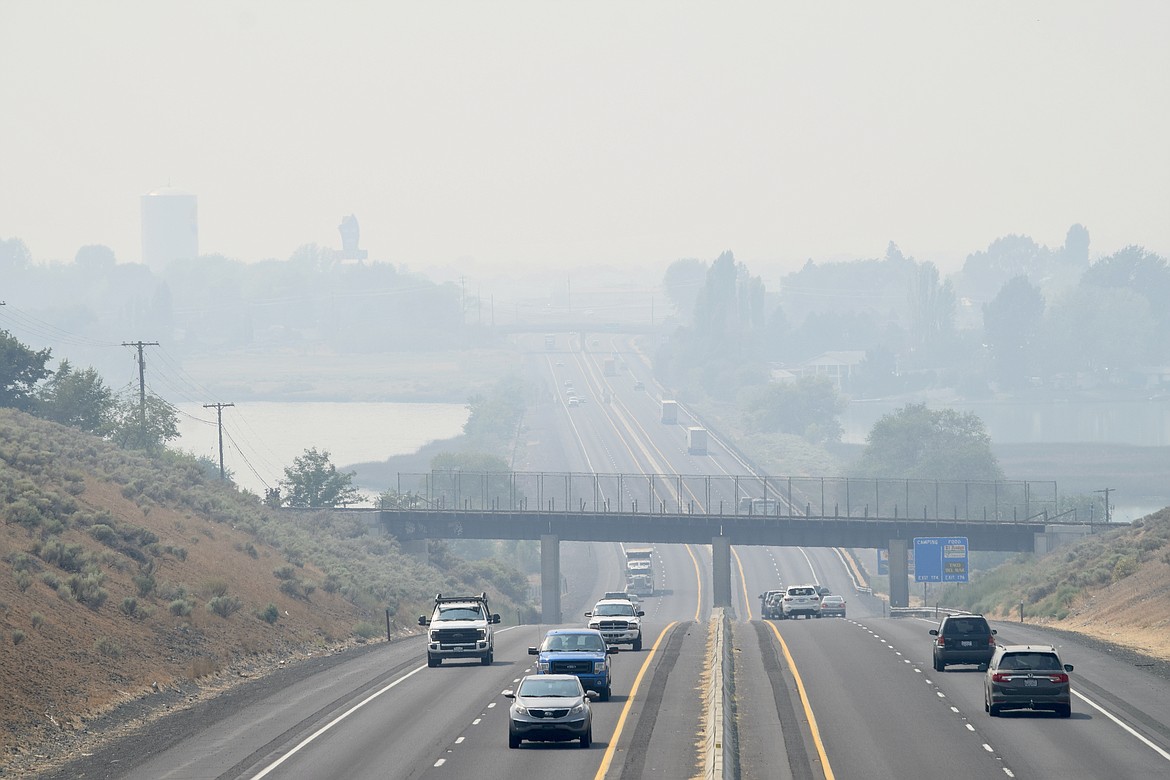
920	443
313	482
932	307
808	407
1012	325
79	399
143	427
20	370
682	282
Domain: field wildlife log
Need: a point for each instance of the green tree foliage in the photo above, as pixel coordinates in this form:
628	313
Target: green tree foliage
1144	274
1105	331
143	427
495	417
79	399
808	407
932	308
313	482
1012	326
21	369
1075	253
984	273
14	255
920	443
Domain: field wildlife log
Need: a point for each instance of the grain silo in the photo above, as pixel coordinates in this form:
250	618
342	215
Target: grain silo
170	227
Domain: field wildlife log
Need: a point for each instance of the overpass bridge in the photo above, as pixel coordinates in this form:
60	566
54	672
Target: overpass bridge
721	510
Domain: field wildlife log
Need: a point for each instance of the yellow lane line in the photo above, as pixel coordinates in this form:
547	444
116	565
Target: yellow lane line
812	721
698	582
747	603
617	732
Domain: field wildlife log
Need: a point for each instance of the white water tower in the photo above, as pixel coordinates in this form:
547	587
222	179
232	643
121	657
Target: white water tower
170	227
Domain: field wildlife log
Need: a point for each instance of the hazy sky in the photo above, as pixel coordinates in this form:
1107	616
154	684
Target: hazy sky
470	135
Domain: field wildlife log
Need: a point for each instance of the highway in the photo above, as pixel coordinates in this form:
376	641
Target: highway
833	698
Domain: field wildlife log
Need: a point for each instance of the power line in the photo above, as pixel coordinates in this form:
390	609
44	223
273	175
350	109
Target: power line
219	407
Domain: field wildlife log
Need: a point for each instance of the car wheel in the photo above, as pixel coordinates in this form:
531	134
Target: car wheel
587	737
1064	711
487	658
513	740
638	643
993	710
604	693
939	665
433	662
986	706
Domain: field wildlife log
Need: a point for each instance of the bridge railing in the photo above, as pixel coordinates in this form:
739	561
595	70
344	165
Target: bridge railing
782	496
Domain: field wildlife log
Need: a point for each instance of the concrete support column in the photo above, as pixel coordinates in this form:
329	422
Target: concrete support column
417	549
721	571
899	574
550	579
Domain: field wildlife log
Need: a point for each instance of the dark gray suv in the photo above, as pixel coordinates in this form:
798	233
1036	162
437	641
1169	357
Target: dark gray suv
1027	677
963	639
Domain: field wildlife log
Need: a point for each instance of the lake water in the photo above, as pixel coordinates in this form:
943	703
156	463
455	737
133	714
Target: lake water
261	439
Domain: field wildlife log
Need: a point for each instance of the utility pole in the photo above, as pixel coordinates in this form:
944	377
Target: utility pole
219	421
141	380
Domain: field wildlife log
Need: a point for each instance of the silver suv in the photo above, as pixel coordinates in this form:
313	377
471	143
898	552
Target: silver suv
460	627
800	600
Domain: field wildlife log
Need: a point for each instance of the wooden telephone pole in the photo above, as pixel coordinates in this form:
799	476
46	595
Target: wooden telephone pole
219	423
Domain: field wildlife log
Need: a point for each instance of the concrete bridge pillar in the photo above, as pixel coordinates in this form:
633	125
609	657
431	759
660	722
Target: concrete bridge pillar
899	574
550	579
417	549
721	571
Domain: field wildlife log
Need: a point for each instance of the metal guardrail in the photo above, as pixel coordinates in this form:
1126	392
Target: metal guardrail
678	494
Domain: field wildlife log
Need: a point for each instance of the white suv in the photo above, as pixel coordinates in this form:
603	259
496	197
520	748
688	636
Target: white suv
619	621
800	600
460	627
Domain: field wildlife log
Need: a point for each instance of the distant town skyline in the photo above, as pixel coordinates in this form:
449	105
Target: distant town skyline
528	137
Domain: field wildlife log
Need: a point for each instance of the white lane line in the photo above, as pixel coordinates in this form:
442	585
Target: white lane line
987	748
1114	718
1008	772
297	748
491	705
440	762
476	721
459	740
970	727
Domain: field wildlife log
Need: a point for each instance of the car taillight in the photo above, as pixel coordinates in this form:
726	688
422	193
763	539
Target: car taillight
991	640
942	642
1000	677
1058	678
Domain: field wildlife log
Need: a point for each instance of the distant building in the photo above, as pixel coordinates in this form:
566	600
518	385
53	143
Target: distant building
350	234
836	366
170	227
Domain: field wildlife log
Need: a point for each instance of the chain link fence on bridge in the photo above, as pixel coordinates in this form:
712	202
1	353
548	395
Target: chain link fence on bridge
825	497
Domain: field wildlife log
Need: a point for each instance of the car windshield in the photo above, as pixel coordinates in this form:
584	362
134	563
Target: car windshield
1040	662
574	643
832	600
459	613
609	610
535	686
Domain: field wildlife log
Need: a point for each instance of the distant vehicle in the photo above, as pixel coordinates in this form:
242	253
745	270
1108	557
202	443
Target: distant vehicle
640	571
832	606
822	591
460	627
577	651
770	603
573	401
669	412
962	639
610	367
550	341
696	441
800	600
639	385
560	364
550	708
619	621
1027	677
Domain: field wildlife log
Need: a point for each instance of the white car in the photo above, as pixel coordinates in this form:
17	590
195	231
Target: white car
800	600
619	621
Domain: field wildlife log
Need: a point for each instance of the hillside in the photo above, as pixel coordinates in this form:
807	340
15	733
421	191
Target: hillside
125	578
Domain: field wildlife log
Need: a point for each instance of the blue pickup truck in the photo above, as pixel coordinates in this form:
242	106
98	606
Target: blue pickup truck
579	651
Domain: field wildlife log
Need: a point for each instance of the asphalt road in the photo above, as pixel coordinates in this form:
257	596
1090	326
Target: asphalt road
852	697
